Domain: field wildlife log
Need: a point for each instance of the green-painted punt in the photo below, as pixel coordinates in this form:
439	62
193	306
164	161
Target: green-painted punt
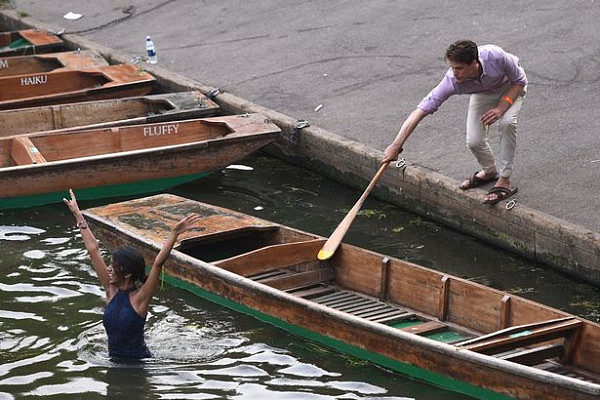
434	327
19	43
420	374
100	192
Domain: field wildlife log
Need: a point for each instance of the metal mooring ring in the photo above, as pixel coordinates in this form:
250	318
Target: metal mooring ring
511	204
401	163
213	93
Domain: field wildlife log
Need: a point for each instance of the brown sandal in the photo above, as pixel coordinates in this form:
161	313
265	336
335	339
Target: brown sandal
501	192
475	181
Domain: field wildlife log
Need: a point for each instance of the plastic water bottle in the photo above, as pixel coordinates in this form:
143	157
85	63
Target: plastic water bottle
151	50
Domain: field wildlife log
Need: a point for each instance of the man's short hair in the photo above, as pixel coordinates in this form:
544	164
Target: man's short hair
462	51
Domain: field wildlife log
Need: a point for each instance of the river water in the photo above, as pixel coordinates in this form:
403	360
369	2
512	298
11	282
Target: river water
53	345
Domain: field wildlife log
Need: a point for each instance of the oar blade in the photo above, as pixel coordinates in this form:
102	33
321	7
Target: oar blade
336	237
325	254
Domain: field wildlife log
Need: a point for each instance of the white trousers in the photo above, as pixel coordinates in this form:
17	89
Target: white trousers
477	140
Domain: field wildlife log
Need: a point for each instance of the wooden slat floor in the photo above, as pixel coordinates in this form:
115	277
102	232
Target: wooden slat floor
375	310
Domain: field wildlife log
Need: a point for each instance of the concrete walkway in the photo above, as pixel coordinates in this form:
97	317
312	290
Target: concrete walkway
366	65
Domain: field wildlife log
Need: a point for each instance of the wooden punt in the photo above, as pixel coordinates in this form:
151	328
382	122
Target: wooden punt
28	41
39	168
68	86
107	113
34	64
430	325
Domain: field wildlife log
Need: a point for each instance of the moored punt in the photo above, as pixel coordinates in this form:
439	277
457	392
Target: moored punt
433	326
28	41
67	86
107	113
39	168
32	64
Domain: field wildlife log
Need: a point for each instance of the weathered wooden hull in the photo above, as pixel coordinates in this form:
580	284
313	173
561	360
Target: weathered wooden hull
107	113
166	159
68	86
285	285
35	64
29	41
135	188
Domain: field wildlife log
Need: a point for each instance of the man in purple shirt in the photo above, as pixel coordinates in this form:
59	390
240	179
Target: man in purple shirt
497	84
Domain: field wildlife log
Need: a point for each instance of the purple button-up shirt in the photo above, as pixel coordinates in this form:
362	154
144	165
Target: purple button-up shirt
498	66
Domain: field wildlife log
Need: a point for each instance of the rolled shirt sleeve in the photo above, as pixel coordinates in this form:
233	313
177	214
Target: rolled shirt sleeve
514	72
439	94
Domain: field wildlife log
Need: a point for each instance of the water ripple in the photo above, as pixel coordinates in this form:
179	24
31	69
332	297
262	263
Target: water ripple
6	368
6	314
35	254
306	370
57	240
270	357
74	386
257	391
54	292
237	371
18	233
25	379
73	366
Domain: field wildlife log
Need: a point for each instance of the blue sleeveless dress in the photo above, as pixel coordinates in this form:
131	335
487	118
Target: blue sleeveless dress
125	328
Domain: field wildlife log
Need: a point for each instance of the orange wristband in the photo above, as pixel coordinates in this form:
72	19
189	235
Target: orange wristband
508	100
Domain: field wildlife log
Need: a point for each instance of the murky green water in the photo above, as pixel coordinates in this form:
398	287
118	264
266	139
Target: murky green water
53	345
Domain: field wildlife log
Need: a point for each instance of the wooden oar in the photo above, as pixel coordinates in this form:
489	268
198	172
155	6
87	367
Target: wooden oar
336	237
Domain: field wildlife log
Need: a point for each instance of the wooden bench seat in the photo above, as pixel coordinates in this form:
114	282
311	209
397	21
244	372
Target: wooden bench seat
536	355
424	327
272	257
524	335
24	152
294	280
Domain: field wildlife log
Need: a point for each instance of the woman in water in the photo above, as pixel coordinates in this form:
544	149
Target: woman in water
126	303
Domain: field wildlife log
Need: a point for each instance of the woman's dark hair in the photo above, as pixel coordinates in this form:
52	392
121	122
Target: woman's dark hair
130	261
462	51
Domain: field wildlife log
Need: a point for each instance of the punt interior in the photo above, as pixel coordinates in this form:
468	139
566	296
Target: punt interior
36	119
40	148
43	84
405	296
19	65
21	41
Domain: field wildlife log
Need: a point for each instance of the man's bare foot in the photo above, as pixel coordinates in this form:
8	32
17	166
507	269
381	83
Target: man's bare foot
478	179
